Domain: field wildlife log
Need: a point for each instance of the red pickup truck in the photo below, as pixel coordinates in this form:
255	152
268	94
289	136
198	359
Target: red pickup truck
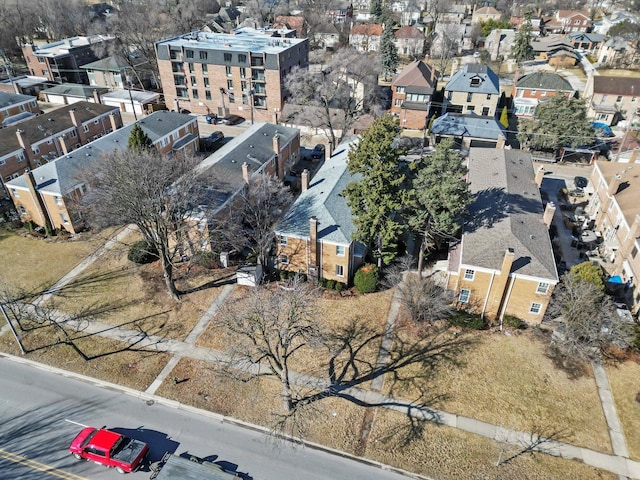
110	449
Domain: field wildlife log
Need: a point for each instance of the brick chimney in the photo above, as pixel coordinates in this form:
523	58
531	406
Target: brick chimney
276	143
540	176
507	261
549	211
38	201
96	96
245	172
113	121
25	145
74	120
313	242
304	180
63	144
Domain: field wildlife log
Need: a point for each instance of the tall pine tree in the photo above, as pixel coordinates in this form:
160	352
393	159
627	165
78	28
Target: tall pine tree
379	196
388	51
522	50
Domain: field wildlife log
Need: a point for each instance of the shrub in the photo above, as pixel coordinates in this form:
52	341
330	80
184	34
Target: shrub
141	252
467	320
514	322
206	259
284	274
339	286
331	284
366	278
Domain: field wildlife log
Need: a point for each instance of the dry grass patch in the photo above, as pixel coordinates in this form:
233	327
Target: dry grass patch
447	453
508	381
24	257
624	380
135	296
111	360
619	73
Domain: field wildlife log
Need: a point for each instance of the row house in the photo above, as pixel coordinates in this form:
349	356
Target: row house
229	74
611	99
38	140
24	85
614	208
315	237
45	195
61	61
12	104
504	263
473	88
366	38
70	93
532	89
411	94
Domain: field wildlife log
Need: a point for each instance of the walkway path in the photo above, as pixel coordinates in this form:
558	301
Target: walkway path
617	463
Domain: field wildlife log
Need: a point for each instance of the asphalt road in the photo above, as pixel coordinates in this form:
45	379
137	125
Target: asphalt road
34	436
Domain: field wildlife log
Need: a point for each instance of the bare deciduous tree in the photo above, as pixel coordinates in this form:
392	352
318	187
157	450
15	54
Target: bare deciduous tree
541	439
346	88
162	196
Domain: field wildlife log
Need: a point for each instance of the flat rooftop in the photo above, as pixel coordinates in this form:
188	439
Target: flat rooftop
63	47
244	40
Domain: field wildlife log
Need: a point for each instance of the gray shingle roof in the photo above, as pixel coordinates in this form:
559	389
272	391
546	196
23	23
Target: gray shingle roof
506	213
48	124
254	146
61	175
469	125
544	81
74	90
461	80
325	201
8	99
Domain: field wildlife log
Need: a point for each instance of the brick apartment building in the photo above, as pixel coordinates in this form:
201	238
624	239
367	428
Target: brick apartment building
42	195
36	141
225	74
61	61
13	103
411	92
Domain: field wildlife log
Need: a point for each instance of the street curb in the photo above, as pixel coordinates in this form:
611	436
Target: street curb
205	413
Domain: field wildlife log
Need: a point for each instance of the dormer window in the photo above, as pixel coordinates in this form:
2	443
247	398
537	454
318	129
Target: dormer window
476	81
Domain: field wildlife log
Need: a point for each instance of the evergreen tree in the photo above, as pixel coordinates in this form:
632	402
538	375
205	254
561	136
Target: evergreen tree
388	51
439	197
558	122
504	117
376	9
138	140
431	120
522	50
378	196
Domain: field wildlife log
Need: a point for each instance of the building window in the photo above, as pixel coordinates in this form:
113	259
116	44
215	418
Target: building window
488	96
535	308
207	94
340	250
58	200
205	69
15	193
242	58
543	288
634	252
22	210
85	128
469	96
464	296
469	274
178	80
400	90
243	72
243	86
189	53
228	70
339	271
449	95
36	150
229	84
206	82
398	102
194	93
619	99
282	240
227	57
74	134
475	82
193	81
192	68
64	218
284	259
40	60
203	55
471	108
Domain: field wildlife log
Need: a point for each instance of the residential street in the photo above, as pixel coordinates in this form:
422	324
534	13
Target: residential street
35	404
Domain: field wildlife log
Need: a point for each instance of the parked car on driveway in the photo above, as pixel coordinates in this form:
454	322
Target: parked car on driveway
231	120
317	152
215	136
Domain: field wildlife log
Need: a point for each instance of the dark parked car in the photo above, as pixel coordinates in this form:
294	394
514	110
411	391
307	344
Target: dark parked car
317	152
231	120
580	182
215	136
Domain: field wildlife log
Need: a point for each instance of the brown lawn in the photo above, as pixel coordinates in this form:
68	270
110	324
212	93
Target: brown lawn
110	360
508	381
624	380
620	73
